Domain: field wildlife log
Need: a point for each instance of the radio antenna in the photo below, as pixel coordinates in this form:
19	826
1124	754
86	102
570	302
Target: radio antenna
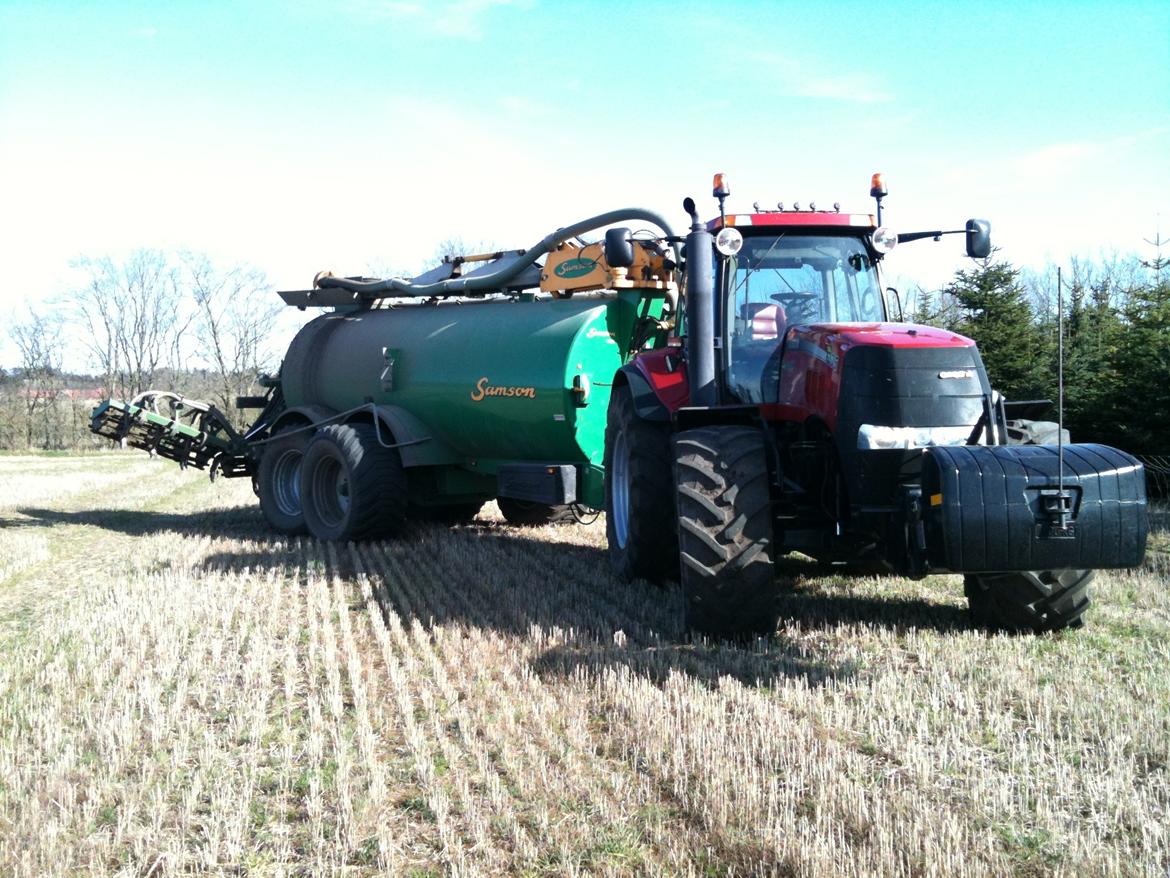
1064	506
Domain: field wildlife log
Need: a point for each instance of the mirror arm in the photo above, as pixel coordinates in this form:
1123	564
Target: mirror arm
918	236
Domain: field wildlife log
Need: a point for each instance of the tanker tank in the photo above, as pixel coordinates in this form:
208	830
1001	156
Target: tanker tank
485	377
493	380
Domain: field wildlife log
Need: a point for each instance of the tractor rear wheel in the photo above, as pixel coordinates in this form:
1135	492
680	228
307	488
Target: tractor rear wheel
640	517
278	481
525	513
1047	600
352	487
725	531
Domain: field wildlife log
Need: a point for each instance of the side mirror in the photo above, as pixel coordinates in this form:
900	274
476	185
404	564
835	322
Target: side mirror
619	248
978	238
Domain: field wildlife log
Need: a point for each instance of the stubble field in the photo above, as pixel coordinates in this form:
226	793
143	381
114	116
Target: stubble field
182	692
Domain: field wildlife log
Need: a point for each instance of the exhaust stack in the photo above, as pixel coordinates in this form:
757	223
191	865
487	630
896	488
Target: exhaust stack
700	312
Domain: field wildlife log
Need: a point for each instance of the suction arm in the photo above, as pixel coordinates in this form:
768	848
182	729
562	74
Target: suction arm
509	266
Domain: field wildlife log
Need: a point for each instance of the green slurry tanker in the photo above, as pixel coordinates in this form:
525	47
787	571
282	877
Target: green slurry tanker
726	396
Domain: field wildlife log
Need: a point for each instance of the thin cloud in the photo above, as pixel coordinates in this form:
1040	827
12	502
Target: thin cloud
798	78
1061	159
1056	159
452	18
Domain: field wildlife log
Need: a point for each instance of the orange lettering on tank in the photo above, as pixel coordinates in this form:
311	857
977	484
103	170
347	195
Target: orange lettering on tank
484	388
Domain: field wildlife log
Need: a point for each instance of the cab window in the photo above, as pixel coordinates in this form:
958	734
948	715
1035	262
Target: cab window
778	281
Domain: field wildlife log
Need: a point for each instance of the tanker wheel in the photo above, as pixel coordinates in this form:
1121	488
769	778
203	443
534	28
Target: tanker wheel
1047	600
278	481
640	518
725	531
528	514
352	487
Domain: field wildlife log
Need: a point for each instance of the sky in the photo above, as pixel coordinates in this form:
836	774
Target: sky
348	135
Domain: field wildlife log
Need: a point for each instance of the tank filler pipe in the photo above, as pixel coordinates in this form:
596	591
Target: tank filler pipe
498	278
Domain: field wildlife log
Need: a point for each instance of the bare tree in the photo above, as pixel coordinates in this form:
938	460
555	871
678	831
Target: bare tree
132	317
234	314
457	245
41	345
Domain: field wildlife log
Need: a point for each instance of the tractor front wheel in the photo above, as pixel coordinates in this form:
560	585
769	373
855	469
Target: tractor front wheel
278	481
1046	600
352	487
725	531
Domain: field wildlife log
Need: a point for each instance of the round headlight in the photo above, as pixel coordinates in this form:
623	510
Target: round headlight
884	239
728	241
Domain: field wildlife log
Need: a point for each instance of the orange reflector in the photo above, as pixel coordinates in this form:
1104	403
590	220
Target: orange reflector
719	187
877	185
936	499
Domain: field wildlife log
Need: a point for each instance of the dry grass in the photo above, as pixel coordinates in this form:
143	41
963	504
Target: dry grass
180	692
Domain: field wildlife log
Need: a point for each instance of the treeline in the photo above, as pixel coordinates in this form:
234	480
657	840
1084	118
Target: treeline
153	321
179	322
1116	341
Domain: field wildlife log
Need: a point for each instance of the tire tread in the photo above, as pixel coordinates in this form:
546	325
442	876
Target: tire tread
725	531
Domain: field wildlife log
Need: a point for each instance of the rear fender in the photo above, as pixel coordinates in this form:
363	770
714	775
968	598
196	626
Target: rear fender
658	383
301	416
417	443
646	402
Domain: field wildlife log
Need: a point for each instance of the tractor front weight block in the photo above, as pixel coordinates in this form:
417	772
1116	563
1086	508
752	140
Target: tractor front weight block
1008	508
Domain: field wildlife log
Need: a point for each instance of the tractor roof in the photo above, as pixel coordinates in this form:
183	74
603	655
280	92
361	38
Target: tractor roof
807	218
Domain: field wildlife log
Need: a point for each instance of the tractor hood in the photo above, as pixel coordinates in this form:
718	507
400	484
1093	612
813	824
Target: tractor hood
895	335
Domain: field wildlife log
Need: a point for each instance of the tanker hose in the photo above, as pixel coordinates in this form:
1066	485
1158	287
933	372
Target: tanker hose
511	268
583	514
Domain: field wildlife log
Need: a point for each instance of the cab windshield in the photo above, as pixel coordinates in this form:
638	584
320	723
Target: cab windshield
778	281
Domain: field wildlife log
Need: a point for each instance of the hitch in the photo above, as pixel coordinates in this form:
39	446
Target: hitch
1056	510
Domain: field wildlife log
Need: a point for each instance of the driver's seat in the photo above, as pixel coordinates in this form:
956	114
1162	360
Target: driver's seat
766	321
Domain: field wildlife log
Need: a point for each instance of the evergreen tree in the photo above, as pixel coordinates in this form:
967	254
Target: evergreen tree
1092	327
1139	397
991	308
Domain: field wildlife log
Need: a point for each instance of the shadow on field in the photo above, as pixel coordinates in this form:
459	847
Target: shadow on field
495	578
242	522
758	665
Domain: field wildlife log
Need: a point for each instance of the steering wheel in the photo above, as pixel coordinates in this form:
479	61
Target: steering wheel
800	305
868	300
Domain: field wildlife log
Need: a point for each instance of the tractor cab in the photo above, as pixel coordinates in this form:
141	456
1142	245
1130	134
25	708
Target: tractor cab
790	269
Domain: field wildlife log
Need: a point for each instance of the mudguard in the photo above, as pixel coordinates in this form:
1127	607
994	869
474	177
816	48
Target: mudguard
990	508
646	402
417	444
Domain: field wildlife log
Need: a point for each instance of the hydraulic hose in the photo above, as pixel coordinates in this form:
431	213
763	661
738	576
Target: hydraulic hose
511	268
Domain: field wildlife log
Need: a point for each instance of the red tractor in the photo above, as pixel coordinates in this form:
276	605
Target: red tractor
788	414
